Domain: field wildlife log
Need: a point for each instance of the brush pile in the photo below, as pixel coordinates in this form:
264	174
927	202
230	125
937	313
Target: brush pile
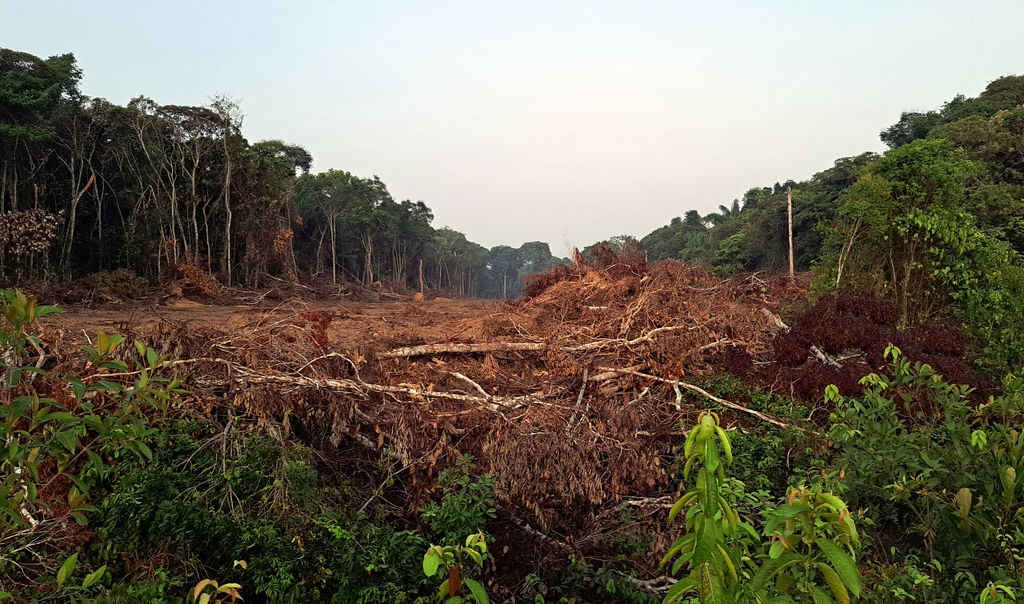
572	400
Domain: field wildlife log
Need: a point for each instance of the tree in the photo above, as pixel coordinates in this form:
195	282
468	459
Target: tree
506	261
329	195
31	91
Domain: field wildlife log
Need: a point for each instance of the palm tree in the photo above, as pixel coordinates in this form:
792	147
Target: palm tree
725	213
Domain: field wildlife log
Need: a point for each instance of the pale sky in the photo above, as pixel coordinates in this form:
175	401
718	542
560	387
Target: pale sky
553	121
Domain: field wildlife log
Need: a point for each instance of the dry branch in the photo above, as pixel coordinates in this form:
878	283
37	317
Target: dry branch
469	347
699	390
824	358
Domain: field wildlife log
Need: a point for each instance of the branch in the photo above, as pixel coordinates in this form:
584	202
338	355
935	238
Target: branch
461	348
467	347
723	402
824	358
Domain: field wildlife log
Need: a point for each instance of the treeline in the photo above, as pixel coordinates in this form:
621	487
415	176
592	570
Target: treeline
88	186
935	224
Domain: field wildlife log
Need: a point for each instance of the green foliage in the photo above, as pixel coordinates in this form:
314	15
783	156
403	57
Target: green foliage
928	465
812	537
450	561
44	443
466	503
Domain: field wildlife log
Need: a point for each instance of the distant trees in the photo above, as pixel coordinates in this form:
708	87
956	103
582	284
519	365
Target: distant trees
148	186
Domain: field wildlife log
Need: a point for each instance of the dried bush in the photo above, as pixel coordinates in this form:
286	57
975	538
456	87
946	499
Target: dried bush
25	234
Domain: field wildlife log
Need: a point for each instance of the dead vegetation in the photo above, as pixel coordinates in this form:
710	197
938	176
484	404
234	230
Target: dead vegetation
572	400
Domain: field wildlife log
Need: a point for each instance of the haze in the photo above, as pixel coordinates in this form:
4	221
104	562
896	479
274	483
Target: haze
567	123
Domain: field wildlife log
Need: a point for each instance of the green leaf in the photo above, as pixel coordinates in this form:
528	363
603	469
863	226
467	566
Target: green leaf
42	311
681	587
728	562
711	588
836	503
776	550
680	504
707	537
77	386
771	567
68	439
66	569
442	589
710	496
834	583
16	518
454	600
821	596
711	460
145	450
842	563
789	510
94	576
430	562
477	590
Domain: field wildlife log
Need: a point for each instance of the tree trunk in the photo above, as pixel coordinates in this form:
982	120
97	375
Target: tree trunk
227	210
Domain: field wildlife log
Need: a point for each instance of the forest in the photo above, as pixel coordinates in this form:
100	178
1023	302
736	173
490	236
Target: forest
87	187
228	377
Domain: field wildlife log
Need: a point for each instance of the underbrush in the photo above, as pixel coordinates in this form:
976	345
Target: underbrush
117	488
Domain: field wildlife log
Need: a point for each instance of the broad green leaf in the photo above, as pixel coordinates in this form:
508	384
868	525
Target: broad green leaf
771	567
430	563
16	518
442	589
707	537
776	550
821	596
145	450
42	311
95	423
834	583
66	569
726	445
711	461
711	588
843	565
836	503
790	510
94	576
680	503
68	439
709	498
785	582
728	562
477	590
681	587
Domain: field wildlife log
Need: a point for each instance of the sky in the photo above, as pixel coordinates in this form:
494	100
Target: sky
558	121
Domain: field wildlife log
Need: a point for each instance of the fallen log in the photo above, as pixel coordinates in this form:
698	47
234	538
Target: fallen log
472	347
